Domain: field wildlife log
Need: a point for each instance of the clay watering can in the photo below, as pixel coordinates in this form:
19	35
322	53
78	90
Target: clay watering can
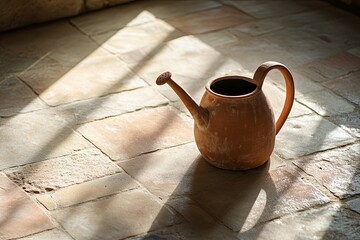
234	124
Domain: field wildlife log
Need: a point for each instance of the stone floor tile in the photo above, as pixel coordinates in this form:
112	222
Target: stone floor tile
210	20
309	134
302	83
338	169
169	10
162	171
133	14
354	205
188	232
282	46
132	134
293	21
20	216
16	97
217	39
332	67
325	103
111	105
62	54
113	18
340	32
98	74
258	27
251	54
299	47
63	171
12	62
267	9
201	224
188	59
58	41
347	86
51	234
277	100
36	136
311	16
350	122
139	57
257	196
329	222
87	191
123	215
135	37
180	170
191	211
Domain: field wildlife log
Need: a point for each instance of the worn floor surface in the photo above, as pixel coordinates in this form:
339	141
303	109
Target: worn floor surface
91	148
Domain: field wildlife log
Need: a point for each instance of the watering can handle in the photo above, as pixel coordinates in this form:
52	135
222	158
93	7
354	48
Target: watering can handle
259	78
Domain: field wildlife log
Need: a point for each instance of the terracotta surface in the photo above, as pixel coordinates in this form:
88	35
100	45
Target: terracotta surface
234	124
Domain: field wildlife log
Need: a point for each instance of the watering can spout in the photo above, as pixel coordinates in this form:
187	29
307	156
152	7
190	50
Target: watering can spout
200	115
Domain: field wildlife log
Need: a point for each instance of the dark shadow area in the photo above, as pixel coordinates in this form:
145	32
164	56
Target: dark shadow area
234	200
350	6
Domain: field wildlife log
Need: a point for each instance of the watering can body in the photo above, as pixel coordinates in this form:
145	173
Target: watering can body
234	124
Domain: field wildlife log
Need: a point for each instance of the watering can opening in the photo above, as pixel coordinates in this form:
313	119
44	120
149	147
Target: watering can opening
232	87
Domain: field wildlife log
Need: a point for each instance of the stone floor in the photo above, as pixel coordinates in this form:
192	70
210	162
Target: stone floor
91	148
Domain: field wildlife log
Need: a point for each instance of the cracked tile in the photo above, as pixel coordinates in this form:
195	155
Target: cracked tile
337	170
332	67
63	171
20	216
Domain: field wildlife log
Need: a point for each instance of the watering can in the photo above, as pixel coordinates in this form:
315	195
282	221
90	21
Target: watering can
234	124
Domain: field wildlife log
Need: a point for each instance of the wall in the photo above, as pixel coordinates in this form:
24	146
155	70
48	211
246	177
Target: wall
20	13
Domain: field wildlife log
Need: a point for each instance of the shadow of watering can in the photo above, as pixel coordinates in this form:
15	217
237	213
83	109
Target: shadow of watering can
234	124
